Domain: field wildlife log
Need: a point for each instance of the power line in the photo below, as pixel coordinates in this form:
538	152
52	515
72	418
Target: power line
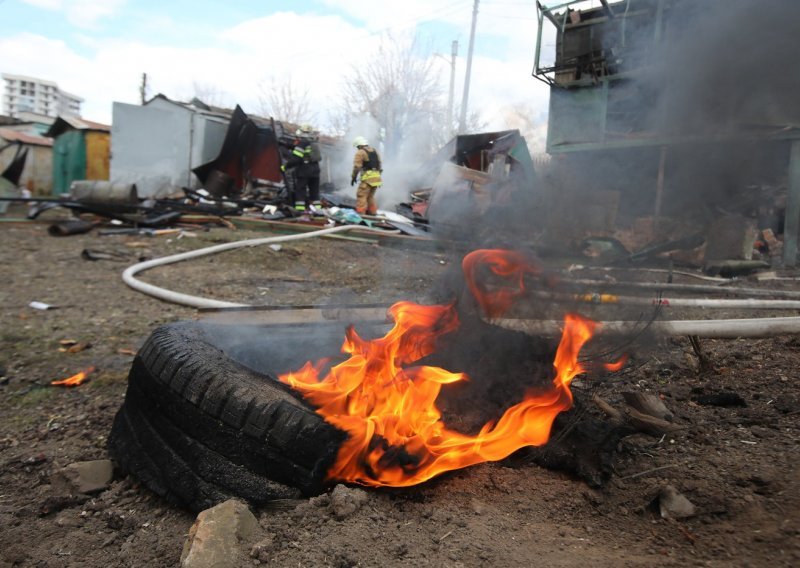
506	17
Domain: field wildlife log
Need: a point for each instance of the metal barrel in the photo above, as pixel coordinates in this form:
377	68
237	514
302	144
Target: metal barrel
103	191
220	184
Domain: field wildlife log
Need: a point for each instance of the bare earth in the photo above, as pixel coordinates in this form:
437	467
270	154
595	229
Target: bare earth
738	465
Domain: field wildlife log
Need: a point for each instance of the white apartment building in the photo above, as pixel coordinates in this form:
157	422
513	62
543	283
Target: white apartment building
29	94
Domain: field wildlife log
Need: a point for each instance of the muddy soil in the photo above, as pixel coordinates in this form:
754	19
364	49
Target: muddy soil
737	464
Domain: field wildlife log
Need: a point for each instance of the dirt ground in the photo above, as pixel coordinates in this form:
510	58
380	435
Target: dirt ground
738	464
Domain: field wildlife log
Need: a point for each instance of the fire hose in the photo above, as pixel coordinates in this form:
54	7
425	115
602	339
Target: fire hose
721	328
129	275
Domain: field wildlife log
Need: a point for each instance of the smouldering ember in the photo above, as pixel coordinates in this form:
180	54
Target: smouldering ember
388	406
75	379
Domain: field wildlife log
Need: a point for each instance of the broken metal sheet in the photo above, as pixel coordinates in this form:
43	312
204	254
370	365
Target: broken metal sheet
250	151
13	171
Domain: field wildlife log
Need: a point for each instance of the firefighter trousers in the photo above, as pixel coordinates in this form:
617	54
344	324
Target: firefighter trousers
306	190
365	199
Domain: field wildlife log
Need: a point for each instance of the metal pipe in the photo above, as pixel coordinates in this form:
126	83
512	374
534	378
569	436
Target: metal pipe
540	18
720	329
706	303
608	9
792	216
451	97
462	123
701	288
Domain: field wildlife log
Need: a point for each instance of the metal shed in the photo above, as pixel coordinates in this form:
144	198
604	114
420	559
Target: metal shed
81	150
37	175
158	144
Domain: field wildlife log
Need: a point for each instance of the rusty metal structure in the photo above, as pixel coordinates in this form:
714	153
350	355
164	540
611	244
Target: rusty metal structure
659	83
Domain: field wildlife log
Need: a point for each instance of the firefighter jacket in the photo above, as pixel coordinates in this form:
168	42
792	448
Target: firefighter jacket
305	158
368	162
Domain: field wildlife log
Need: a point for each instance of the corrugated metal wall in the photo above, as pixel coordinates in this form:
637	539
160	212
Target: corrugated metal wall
37	175
69	160
156	146
98	148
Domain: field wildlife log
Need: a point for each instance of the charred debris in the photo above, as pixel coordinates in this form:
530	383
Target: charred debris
669	141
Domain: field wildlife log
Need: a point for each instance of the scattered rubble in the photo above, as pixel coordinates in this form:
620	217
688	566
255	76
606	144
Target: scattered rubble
215	537
83	477
345	501
674	505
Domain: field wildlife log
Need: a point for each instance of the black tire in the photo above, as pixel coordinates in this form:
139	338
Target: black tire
197	427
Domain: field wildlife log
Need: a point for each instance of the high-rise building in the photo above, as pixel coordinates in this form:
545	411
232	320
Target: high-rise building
29	94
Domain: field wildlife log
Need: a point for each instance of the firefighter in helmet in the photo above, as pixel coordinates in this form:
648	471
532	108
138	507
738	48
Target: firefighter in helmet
367	161
303	162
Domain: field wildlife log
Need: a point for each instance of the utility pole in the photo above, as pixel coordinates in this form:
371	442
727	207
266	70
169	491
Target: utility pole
462	123
143	88
453	54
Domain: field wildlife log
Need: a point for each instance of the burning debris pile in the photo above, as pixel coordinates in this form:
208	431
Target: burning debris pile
387	424
388	406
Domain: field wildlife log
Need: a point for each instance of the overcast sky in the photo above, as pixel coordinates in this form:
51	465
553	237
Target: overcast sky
98	49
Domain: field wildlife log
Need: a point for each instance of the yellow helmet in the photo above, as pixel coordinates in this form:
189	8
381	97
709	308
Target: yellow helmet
360	141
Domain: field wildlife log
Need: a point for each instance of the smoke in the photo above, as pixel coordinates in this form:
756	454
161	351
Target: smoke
714	81
710	84
402	158
727	64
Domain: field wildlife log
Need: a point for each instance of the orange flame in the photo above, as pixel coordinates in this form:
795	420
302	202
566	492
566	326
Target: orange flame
75	379
504	263
388	407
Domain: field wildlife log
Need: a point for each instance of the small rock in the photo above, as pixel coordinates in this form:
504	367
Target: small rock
261	550
346	500
83	477
477	507
320	500
213	540
673	505
67	520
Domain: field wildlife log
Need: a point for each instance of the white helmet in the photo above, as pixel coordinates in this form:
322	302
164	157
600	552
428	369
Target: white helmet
305	131
360	141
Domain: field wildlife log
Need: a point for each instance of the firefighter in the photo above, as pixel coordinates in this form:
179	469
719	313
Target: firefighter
303	163
367	161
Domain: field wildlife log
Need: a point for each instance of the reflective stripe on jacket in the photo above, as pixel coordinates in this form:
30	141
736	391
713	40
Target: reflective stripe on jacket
304	158
368	162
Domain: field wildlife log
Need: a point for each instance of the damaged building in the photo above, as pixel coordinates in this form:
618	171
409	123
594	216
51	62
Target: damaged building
26	160
165	145
673	116
158	144
474	176
81	151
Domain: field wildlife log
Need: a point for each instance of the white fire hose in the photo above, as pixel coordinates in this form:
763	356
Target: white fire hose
129	275
722	328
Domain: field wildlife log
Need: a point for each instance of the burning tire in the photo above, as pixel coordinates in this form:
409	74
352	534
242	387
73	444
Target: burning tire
197	427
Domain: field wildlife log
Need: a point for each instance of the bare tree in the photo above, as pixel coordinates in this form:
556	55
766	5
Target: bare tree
401	91
285	101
